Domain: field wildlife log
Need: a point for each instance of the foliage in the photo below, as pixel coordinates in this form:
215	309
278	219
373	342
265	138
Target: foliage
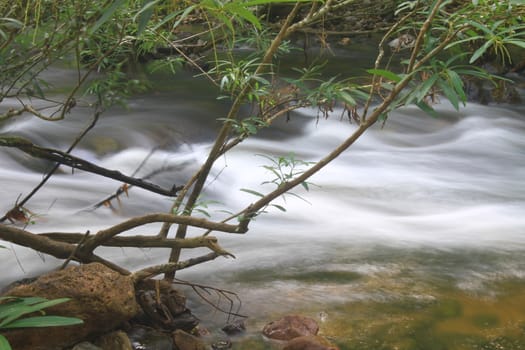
441	45
16	312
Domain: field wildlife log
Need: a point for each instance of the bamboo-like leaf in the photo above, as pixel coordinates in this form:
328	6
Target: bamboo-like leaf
519	43
144	15
427	109
479	52
44	321
239	9
457	85
27	309
264	2
106	15
385	74
449	93
255	193
347	98
424	88
281	208
305	185
4	344
169	17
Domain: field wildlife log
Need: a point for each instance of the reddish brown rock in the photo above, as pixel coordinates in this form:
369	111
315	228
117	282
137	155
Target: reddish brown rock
290	327
309	342
101	297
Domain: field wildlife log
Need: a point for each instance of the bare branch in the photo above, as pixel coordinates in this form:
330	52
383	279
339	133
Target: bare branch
78	163
153	271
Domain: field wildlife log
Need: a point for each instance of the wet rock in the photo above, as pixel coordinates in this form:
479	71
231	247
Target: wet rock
290	327
186	341
222	345
164	307
85	345
117	340
101	297
145	338
235	327
309	342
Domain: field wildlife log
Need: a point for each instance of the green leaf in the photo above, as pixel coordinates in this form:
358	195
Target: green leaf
4	344
479	52
427	109
264	2
305	185
347	98
238	9
11	23
255	193
385	74
144	15
106	14
279	207
424	88
27	309
450	94
519	43
44	321
457	85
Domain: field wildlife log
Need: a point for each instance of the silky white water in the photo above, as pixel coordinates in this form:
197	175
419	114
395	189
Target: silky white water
417	199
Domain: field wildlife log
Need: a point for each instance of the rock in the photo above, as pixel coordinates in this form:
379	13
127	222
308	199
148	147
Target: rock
149	338
309	342
117	340
222	345
290	327
85	345
164	307
235	327
101	297
186	341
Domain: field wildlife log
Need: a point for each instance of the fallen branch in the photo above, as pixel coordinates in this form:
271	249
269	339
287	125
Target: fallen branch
64	158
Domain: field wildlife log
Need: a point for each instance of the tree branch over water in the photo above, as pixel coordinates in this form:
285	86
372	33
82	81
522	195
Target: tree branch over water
65	158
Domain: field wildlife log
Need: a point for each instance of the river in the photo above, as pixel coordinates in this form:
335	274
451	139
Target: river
412	239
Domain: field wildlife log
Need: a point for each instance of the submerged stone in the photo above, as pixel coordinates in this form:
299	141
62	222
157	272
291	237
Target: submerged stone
291	326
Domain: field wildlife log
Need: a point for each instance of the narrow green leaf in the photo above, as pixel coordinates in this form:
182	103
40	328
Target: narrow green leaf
519	43
4	344
255	193
385	74
238	9
44	321
144	15
347	98
305	185
27	309
11	23
479	52
264	2
279	207
450	94
427	109
457	85
424	88
106	15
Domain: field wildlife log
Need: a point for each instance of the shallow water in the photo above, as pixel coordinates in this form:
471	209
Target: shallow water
413	239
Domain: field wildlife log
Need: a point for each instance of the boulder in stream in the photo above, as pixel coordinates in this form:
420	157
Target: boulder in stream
101	297
290	327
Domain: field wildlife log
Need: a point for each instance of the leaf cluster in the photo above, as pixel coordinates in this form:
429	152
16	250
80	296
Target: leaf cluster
28	312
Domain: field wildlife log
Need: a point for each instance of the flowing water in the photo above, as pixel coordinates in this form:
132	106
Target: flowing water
413	239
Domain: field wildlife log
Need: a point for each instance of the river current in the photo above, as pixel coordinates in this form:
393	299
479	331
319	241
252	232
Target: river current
421	223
